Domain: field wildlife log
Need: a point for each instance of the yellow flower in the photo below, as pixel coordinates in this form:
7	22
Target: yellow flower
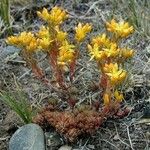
81	31
25	40
101	40
56	16
44	43
61	36
95	52
118	96
43	32
108	67
44	38
127	53
106	99
121	29
115	74
32	46
12	40
44	14
111	50
29	41
66	53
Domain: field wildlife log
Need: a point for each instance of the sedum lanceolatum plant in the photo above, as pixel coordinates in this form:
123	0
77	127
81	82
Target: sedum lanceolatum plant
62	55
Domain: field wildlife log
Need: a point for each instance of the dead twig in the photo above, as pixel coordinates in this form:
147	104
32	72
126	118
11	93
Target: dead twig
130	141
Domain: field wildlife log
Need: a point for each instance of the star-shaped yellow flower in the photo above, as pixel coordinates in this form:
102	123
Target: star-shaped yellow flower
81	31
44	38
25	40
111	50
115	74
60	35
121	29
95	52
101	40
43	32
66	53
13	40
55	17
127	53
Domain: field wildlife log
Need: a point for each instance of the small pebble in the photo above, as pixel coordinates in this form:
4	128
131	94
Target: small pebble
65	147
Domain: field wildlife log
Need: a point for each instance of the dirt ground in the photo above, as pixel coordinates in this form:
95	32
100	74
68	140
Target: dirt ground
129	133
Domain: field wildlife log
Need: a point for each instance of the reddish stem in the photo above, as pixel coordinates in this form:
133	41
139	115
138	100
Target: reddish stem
56	69
60	78
103	81
37	70
73	66
39	73
53	59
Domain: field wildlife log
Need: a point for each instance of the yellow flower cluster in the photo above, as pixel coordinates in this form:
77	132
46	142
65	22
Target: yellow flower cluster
55	17
66	53
60	35
43	32
102	47
95	52
115	74
121	29
81	31
25	40
101	40
111	50
127	53
101	53
44	38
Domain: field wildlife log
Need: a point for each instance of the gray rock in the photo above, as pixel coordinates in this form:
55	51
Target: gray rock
28	137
